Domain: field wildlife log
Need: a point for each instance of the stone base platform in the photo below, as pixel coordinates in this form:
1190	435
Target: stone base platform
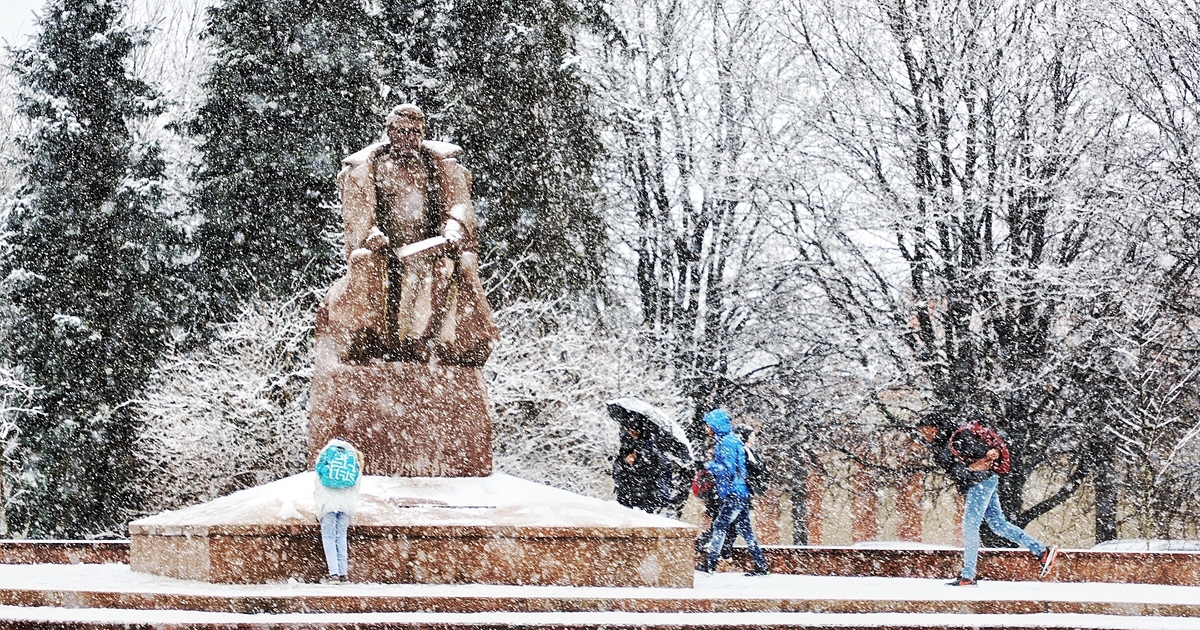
425	530
408	419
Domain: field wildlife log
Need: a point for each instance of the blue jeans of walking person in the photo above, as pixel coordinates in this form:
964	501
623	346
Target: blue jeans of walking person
735	510
334	526
983	504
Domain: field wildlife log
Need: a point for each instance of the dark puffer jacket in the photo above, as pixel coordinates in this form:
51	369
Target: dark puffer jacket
637	485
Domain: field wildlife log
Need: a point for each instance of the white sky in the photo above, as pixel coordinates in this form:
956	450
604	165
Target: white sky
16	19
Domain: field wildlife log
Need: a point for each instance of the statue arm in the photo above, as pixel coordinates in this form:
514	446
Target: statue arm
358	209
458	215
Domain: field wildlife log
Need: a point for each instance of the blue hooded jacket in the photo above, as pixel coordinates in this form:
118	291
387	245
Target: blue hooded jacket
729	457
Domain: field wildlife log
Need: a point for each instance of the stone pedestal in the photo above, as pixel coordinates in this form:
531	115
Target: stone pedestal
408	419
489	530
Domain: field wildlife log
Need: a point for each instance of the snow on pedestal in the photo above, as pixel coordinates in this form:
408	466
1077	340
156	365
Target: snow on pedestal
437	530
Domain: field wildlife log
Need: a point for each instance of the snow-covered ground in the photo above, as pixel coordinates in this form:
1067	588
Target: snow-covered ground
888	596
612	619
496	500
117	578
1138	544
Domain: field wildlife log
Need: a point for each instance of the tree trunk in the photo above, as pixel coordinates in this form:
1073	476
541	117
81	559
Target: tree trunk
1103	460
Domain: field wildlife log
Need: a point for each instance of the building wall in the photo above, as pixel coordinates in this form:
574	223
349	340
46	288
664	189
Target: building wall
849	504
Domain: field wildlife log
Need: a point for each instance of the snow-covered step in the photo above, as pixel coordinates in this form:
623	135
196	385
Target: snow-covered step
116	587
114	619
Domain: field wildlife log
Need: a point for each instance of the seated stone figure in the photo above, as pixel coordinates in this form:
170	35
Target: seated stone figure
412	291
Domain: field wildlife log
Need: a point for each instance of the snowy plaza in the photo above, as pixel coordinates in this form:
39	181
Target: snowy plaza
104	596
595	314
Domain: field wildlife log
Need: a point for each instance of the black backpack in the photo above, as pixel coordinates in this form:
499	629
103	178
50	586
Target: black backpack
757	478
990	439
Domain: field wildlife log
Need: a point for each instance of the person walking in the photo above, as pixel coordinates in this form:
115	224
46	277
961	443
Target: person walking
637	470
728	467
974	456
336	499
704	487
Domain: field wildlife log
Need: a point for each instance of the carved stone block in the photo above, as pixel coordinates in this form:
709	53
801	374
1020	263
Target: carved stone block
407	419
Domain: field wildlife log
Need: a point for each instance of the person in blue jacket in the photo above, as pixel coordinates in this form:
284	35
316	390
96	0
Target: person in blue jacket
728	467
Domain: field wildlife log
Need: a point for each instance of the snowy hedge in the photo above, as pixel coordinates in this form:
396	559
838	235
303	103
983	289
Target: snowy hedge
549	379
230	415
234	414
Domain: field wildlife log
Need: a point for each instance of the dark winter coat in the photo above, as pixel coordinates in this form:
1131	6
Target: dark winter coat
637	485
971	447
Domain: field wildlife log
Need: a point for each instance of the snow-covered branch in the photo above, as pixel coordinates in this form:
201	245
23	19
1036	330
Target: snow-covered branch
232	414
549	379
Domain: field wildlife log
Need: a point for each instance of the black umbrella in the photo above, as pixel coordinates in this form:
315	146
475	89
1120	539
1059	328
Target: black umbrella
637	414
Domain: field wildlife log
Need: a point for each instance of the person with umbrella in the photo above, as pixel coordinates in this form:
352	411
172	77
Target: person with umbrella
651	446
636	469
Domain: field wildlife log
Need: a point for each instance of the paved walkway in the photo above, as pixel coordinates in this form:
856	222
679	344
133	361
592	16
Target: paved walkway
111	596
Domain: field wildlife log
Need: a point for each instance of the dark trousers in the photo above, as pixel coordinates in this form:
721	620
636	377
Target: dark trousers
735	511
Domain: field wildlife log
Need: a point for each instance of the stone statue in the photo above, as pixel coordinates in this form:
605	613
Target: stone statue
412	291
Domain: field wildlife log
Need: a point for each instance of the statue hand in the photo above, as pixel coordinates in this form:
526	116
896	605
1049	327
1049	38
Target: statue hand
453	231
376	240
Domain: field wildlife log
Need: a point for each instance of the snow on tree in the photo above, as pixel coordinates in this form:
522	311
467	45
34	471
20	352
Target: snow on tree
15	400
90	268
1143	378
549	379
232	414
839	212
956	199
501	79
288	95
8	130
684	93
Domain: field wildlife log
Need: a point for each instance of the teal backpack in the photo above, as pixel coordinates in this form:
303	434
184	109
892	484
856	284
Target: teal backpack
337	467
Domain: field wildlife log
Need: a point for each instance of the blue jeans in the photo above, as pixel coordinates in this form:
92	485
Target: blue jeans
983	504
735	510
333	537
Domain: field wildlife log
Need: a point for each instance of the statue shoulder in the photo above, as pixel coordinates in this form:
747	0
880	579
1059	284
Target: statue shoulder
437	150
360	157
441	150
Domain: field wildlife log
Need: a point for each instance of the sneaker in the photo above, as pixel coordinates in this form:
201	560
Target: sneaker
344	579
1047	560
962	581
704	568
758	571
330	579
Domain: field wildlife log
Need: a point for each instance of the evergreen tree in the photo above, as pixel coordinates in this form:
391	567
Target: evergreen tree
498	77
289	94
89	270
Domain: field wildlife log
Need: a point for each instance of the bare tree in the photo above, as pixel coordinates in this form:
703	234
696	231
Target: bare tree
15	400
958	201
1150	381
683	95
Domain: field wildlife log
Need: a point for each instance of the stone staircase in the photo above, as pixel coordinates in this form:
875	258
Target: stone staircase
812	588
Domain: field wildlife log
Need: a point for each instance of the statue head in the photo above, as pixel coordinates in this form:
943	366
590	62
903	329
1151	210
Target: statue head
406	128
